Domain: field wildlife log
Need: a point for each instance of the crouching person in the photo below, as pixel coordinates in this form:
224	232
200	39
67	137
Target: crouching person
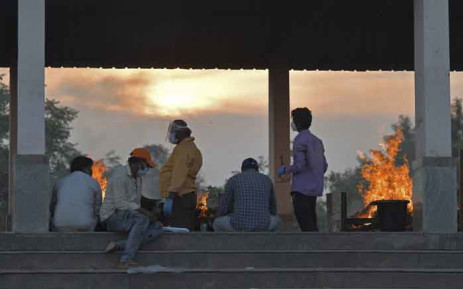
120	209
248	203
76	199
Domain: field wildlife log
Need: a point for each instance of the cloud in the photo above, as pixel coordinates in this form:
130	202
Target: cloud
103	90
159	93
171	93
189	93
350	94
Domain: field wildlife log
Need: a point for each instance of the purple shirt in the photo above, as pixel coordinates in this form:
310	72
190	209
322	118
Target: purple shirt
309	165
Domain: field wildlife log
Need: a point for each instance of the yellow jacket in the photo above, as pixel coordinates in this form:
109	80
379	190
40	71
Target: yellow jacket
179	173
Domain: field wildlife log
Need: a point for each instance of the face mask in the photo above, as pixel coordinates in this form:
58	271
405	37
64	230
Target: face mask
143	172
293	126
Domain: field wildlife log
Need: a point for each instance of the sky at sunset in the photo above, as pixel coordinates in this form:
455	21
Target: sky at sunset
227	110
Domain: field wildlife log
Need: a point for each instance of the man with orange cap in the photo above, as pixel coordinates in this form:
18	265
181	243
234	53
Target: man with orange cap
120	209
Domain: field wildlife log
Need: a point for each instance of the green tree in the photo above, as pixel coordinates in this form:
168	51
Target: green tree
58	119
457	126
407	147
4	158
59	149
112	159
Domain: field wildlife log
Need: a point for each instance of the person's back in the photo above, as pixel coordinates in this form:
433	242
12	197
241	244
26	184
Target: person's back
308	171
252	194
150	185
76	202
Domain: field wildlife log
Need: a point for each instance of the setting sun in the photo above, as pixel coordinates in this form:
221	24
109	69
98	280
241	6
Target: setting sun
175	97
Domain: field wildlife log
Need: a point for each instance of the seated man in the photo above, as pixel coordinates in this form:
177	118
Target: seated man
151	199
120	209
248	203
76	199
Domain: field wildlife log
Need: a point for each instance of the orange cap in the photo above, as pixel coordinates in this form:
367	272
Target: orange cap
143	154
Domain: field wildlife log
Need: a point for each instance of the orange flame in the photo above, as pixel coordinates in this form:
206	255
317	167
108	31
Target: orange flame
386	180
98	170
202	205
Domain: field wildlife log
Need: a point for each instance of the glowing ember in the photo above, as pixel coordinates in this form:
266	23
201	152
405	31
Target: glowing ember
386	181
202	205
98	170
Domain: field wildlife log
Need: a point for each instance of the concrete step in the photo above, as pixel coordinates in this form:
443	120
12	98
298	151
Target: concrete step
239	241
235	278
238	259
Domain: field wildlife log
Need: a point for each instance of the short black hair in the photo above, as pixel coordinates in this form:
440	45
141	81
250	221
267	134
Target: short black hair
180	122
81	163
134	160
249	163
302	117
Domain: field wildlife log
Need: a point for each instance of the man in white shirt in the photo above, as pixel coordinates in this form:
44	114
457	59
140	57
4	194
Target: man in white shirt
151	199
76	199
120	209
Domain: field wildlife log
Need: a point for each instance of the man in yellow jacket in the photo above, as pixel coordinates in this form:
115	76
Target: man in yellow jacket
177	179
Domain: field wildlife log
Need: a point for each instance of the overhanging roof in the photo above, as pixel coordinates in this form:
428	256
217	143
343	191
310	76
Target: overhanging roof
308	34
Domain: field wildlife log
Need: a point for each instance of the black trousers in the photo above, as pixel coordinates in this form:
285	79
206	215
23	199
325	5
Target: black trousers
149	204
152	209
305	209
184	212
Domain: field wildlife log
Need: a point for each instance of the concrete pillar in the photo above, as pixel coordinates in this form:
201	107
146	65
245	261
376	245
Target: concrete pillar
29	177
434	179
279	138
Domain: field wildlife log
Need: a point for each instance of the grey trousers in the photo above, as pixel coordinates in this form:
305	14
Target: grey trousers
223	224
140	231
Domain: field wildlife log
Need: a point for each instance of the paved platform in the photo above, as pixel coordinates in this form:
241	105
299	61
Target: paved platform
237	260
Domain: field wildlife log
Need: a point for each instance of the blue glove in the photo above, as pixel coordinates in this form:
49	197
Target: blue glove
168	205
281	171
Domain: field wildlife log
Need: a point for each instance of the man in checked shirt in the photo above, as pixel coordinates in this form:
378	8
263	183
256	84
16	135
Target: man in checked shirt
248	203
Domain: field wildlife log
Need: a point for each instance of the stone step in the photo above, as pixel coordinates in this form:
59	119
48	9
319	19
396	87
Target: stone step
239	241
238	259
235	278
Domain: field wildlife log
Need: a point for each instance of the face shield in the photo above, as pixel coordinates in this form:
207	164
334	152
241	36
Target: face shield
172	132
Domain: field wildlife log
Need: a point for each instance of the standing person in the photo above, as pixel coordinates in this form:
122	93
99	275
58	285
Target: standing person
76	199
120	209
248	203
307	171
177	178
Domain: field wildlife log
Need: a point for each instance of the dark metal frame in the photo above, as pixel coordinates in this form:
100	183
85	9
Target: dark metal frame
348	224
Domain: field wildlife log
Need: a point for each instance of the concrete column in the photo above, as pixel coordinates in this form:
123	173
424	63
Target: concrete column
29	177
435	186
279	146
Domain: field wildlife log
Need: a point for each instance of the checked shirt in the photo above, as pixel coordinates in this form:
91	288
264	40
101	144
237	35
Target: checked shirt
249	200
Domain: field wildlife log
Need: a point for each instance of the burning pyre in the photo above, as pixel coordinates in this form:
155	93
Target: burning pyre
202	205
98	171
386	180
